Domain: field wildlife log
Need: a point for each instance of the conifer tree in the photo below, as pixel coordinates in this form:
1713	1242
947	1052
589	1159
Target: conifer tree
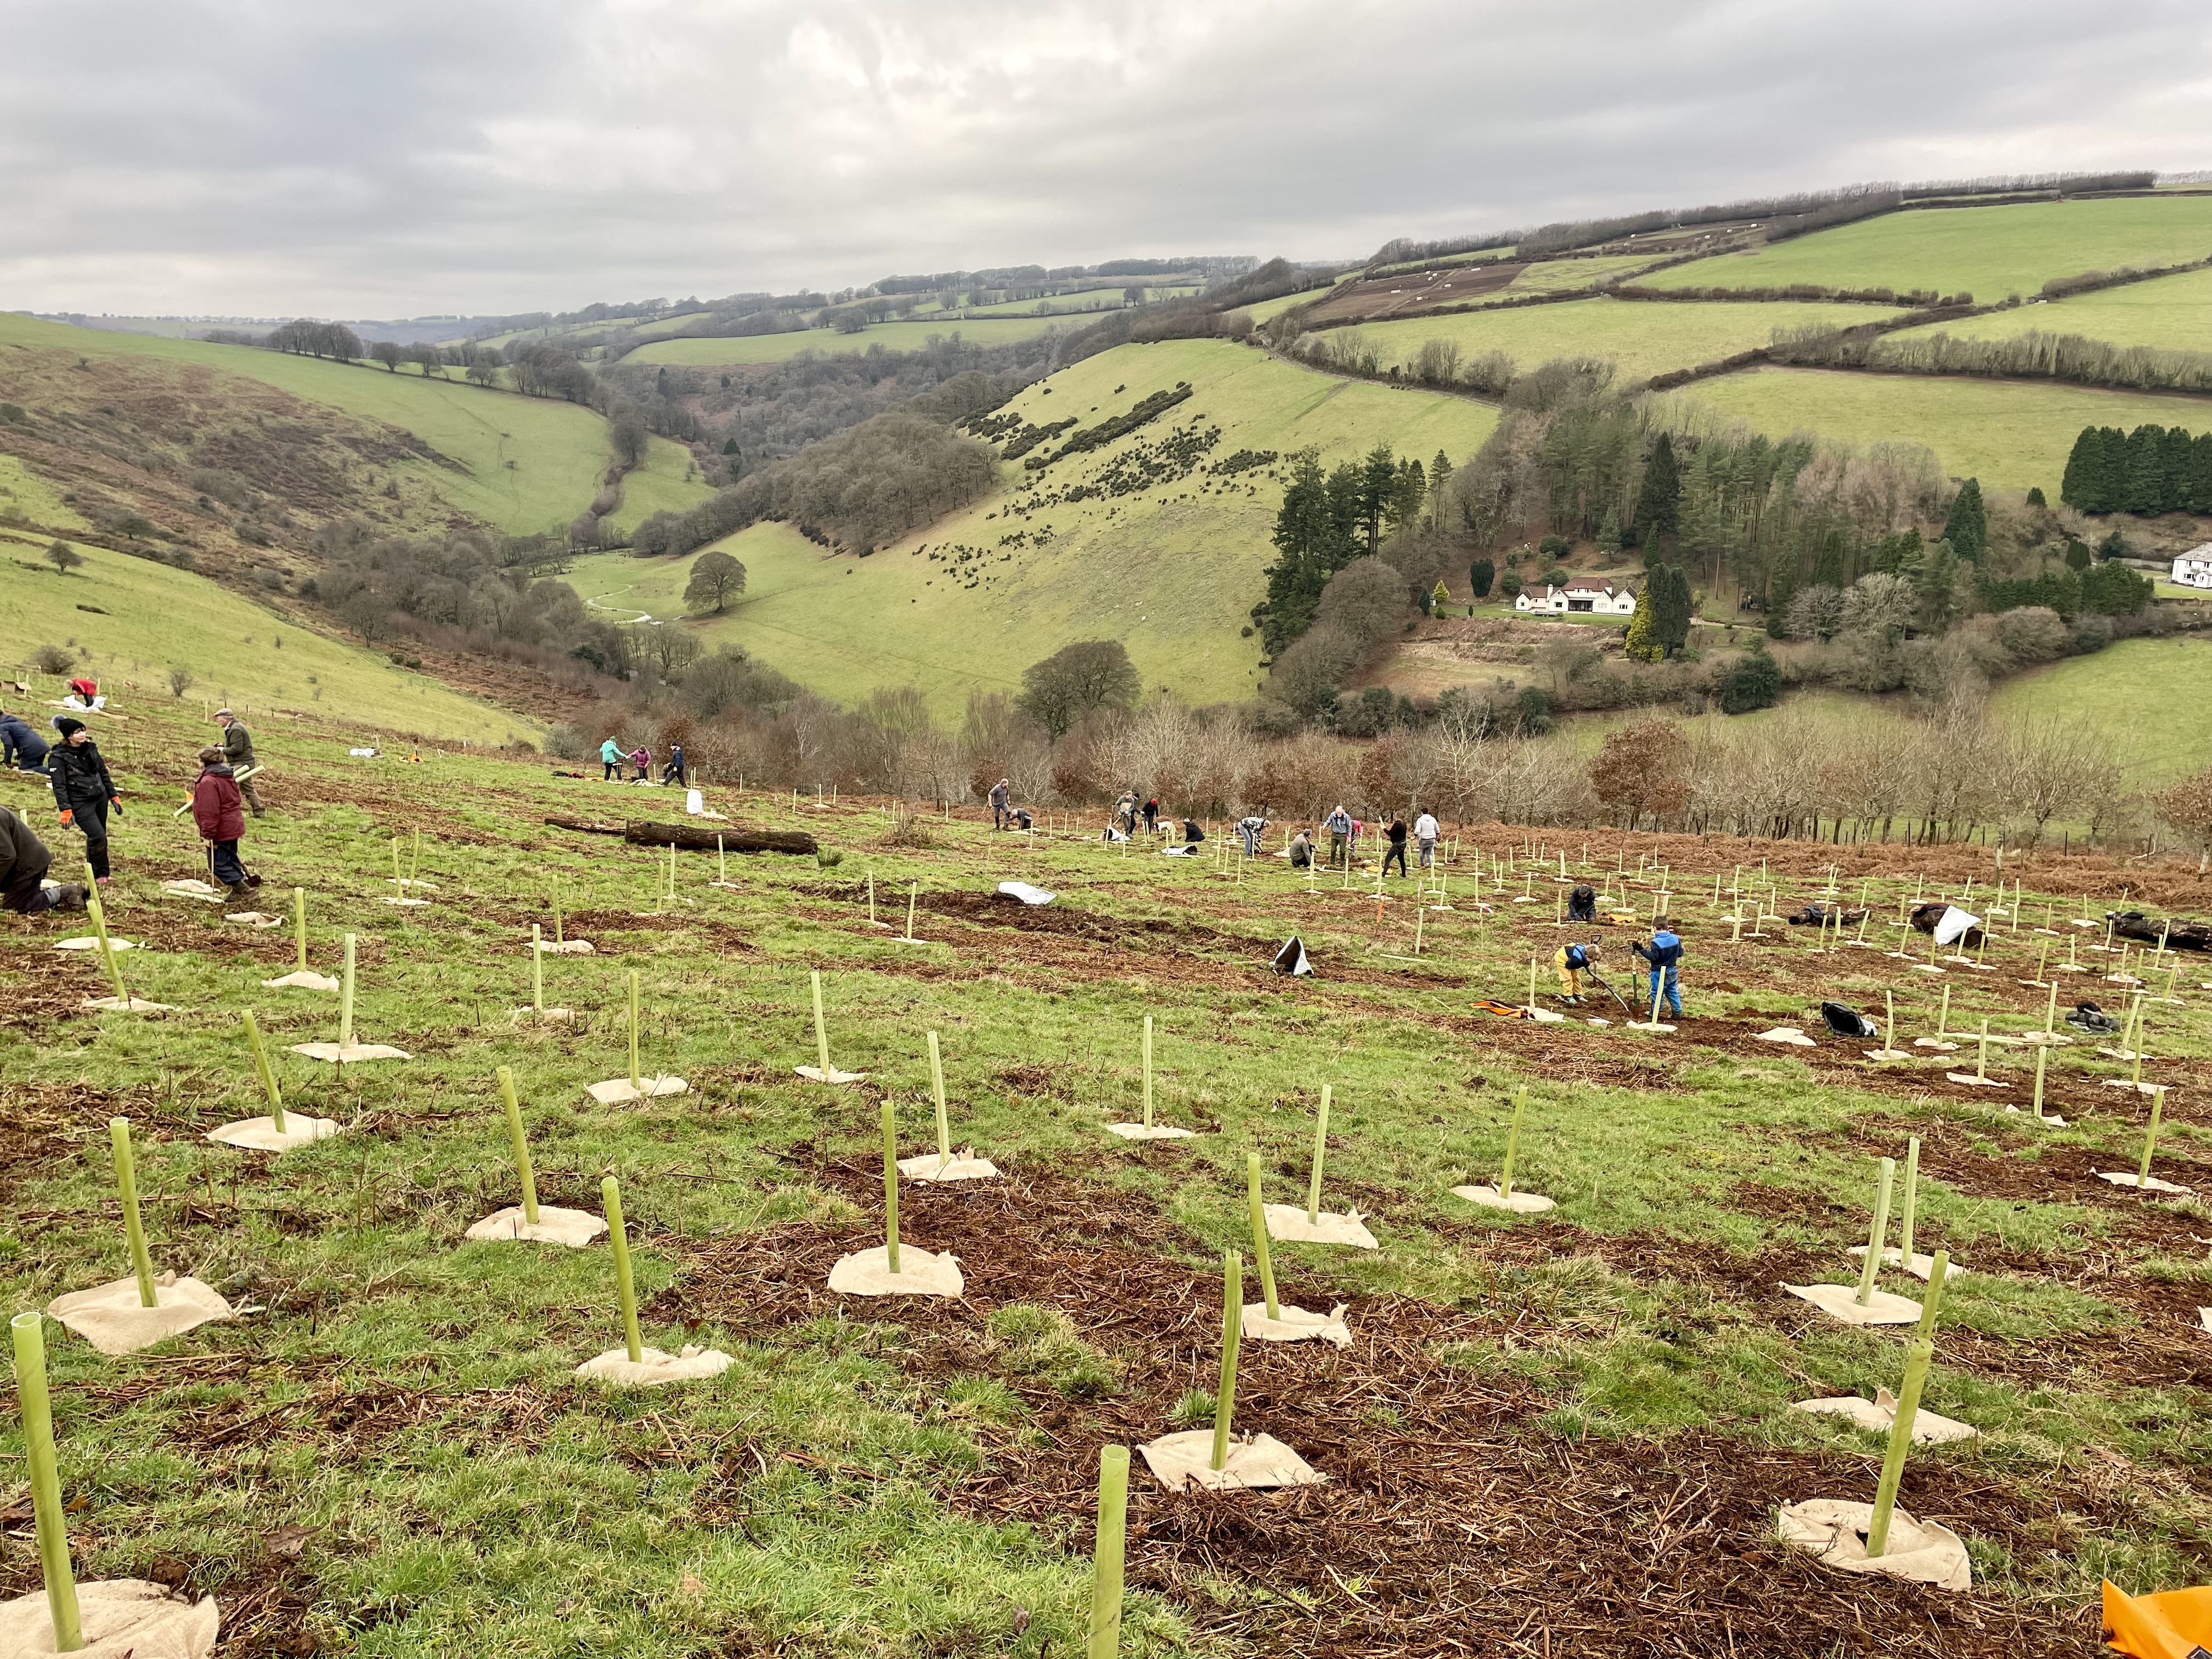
1479	576
2144	489
2076	489
1659	497
1967	529
1642	644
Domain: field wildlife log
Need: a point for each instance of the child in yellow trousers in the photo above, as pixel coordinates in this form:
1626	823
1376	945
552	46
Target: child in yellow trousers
1571	960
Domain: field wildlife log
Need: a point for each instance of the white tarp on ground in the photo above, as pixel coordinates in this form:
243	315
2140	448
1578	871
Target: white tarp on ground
1954	925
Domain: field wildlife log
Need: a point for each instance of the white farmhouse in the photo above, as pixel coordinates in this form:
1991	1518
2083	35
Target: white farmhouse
2194	568
1597	598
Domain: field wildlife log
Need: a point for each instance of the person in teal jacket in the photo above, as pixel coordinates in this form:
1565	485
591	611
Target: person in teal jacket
610	759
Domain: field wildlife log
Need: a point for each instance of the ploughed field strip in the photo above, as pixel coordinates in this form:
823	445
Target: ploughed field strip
1562	1432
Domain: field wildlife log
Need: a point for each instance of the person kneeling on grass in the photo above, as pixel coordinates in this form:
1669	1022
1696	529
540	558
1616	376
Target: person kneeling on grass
1663	951
1302	855
1192	834
1570	959
219	810
24	861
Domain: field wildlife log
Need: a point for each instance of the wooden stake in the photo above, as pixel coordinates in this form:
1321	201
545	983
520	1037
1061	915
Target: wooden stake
1889	1020
134	1230
937	1089
2042	1056
37	1410
871	898
1906	1216
1867	1274
625	1286
1982	1052
300	928
636	1082
722	868
1232	1326
1107	1554
1260	1252
267	1072
1148	1070
1321	1152
556	913
821	1031
1944	1015
536	970
345	997
521	1142
891	1186
913	890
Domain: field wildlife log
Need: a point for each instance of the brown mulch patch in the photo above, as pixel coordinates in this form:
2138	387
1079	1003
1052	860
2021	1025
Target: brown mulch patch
1449	1524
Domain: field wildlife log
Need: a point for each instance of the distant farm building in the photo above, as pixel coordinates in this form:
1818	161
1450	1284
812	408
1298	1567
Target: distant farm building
1596	598
2194	568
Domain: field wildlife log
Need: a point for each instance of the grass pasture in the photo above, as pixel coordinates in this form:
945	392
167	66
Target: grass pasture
152	617
2173	313
392	1456
2138	690
1987	252
1171	570
891	336
2011	434
1644	337
523	463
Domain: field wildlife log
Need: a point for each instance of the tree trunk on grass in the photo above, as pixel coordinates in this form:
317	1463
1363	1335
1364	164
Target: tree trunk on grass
696	838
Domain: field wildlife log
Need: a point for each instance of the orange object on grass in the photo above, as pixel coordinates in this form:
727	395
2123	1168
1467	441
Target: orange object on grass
2173	1625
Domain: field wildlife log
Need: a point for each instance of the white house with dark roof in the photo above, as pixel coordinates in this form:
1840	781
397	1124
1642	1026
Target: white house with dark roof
2194	568
1581	597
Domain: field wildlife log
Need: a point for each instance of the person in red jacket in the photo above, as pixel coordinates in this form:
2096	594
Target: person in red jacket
220	812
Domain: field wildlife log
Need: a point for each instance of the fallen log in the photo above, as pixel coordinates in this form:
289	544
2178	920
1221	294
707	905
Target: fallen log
2147	930
693	838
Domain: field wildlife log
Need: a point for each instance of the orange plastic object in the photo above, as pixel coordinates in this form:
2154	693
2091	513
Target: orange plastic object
2173	1625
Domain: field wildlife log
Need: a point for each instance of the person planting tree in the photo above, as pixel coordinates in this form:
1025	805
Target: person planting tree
24	861
82	789
219	813
237	752
1570	959
1396	833
1663	951
611	760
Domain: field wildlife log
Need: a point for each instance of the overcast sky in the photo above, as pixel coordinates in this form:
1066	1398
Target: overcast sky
393	158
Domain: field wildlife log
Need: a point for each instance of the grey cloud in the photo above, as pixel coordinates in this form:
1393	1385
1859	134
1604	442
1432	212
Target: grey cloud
401	158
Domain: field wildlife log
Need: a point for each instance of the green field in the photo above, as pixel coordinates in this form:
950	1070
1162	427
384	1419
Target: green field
157	617
891	336
2145	692
530	463
658	486
2009	434
392	1456
1263	310
1558	276
1643	337
24	495
2172	312
1986	252
1172	573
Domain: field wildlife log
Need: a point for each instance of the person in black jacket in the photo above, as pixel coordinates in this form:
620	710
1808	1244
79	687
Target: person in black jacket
1397	848
82	789
24	862
20	746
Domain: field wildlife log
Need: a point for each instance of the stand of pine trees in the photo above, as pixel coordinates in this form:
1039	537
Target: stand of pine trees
1328	520
2154	469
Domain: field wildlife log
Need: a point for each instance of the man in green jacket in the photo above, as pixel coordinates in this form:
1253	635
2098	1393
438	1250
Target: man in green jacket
237	755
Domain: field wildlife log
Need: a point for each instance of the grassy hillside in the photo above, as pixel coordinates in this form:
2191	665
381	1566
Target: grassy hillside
2134	689
891	336
1171	571
1644	337
659	485
1986	252
2174	312
523	463
151	617
2011	434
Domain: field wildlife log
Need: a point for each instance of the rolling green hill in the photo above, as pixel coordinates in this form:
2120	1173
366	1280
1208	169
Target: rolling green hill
891	336
2011	434
1987	252
1171	570
522	463
2172	312
151	617
1645	337
2123	687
